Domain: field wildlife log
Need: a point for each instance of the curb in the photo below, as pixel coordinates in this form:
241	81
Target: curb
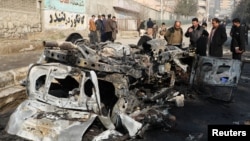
11	94
10	89
12	77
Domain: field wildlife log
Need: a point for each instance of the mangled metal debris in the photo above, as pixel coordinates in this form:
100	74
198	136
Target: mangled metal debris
217	77
178	99
79	91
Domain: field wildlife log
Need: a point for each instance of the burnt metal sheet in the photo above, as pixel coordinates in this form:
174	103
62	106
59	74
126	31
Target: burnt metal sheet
214	76
35	120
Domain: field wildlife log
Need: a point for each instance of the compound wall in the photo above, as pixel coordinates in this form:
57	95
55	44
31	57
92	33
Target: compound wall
64	14
19	18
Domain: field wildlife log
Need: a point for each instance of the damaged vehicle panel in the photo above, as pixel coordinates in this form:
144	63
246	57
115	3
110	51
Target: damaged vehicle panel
217	77
78	91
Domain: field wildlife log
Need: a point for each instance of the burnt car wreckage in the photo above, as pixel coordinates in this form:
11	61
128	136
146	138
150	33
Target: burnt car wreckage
77	91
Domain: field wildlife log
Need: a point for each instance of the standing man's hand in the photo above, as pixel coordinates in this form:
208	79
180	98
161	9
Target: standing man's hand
237	50
190	29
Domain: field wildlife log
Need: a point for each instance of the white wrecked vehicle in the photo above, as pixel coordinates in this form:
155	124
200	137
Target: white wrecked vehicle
78	91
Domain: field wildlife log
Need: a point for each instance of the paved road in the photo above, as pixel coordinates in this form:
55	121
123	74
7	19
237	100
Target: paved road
21	59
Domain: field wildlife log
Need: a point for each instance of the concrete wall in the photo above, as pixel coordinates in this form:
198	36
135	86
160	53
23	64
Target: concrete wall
60	20
95	7
128	9
19	18
64	14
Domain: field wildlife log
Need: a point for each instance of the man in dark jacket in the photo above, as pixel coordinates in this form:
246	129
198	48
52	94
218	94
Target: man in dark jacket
99	28
198	36
238	41
143	42
150	25
103	33
246	28
109	28
217	38
141	28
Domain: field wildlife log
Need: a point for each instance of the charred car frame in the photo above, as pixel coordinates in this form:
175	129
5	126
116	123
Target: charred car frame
78	91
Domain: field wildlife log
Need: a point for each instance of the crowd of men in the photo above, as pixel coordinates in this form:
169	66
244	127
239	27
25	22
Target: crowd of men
201	40
102	29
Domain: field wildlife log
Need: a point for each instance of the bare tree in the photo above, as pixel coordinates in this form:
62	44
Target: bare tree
144	13
186	8
242	11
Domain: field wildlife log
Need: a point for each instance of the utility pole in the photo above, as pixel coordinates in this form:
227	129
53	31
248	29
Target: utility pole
40	14
208	10
161	10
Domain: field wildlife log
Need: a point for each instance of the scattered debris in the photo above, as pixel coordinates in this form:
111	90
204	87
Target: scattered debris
179	100
245	122
31	47
194	137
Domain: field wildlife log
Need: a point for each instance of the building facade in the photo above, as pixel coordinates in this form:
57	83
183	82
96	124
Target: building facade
203	10
19	18
222	8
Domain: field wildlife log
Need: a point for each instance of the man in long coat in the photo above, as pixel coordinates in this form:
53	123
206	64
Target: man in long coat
217	38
